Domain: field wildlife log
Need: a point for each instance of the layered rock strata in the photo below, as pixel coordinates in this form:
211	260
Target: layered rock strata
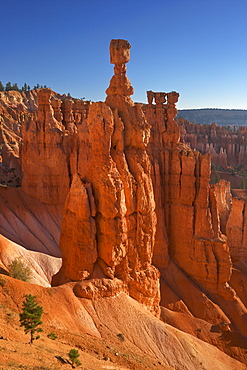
137	201
109	218
44	154
227	145
15	109
192	222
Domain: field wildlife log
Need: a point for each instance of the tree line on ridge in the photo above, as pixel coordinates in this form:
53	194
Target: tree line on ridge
14	87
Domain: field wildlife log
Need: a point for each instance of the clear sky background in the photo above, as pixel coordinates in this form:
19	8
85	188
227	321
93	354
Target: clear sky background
195	47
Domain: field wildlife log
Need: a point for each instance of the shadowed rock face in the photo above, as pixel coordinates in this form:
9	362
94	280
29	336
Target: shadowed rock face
138	208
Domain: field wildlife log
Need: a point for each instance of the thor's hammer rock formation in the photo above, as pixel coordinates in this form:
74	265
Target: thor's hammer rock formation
139	214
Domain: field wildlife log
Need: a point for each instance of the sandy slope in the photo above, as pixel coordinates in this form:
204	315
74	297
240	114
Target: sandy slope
93	327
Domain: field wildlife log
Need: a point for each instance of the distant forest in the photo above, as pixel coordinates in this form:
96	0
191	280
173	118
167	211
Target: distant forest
15	87
221	117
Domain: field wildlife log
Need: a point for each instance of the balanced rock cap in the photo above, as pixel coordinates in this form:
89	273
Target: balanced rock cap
119	51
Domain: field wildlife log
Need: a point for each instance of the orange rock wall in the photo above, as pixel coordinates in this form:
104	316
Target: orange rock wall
137	201
192	222
228	147
197	219
112	231
236	229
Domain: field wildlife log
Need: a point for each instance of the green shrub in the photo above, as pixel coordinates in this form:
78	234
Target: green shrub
19	270
121	337
73	355
52	336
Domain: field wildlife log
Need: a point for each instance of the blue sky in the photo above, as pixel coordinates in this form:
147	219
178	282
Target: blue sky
195	47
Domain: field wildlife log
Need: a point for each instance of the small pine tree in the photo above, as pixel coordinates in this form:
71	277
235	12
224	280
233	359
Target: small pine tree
1	86
28	88
30	317
73	355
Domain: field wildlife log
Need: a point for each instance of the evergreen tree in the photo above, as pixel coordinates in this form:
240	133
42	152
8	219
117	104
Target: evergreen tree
73	355
28	88
25	87
1	86
8	86
15	87
30	317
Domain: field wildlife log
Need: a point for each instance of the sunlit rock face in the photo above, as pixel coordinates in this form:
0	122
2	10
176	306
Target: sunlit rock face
137	206
109	220
44	157
191	219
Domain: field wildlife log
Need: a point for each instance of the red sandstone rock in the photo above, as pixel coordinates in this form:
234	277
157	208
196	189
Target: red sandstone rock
224	202
236	229
44	157
192	223
112	159
138	202
227	147
78	233
15	109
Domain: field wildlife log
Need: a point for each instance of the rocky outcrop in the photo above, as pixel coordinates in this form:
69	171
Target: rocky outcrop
227	145
139	214
236	227
44	154
231	207
112	230
15	109
194	237
223	204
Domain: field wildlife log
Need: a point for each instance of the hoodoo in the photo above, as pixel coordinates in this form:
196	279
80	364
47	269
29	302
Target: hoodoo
109	220
137	202
139	215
